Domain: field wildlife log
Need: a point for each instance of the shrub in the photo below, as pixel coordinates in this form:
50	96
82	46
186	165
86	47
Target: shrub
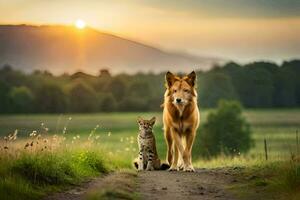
225	131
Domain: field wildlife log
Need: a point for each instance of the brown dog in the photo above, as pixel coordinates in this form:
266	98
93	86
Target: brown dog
181	120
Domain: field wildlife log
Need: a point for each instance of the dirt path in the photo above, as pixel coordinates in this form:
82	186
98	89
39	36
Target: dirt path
206	184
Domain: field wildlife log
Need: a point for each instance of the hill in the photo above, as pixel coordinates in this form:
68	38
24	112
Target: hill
67	49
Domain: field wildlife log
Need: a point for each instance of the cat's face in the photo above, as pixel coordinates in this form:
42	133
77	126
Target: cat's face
146	125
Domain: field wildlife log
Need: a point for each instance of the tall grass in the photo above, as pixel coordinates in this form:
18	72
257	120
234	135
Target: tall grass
33	166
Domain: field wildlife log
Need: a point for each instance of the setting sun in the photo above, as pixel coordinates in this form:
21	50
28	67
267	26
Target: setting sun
80	24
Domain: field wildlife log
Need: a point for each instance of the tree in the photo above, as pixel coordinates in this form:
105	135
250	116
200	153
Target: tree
118	88
50	98
213	87
107	103
225	131
82	98
21	99
4	97
255	87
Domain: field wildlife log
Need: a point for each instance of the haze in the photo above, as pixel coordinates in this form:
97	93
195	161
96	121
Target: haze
240	30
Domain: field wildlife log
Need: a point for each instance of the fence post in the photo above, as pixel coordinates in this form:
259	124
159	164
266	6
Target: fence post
297	142
266	149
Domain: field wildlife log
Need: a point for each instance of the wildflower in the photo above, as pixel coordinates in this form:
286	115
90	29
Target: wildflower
109	134
97	137
26	145
42	124
46	129
126	149
65	130
121	139
74	138
32	134
133	149
70	118
78	136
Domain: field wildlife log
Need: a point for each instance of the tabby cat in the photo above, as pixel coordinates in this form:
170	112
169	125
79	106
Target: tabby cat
148	158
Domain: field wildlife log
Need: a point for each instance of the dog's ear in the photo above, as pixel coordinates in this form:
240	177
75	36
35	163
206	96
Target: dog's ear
170	79
152	121
139	120
191	78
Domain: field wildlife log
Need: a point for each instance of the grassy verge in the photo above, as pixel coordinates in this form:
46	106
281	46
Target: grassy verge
273	180
121	185
31	168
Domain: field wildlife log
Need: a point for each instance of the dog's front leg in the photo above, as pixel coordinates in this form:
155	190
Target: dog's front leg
187	154
168	138
178	150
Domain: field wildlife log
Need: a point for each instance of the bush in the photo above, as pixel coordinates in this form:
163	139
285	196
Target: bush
225	131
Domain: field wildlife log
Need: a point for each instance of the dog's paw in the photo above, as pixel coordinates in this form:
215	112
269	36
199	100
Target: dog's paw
172	169
180	166
189	169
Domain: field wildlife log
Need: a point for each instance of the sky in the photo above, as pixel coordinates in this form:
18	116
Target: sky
239	30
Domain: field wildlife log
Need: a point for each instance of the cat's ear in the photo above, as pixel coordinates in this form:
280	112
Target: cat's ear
139	120
152	121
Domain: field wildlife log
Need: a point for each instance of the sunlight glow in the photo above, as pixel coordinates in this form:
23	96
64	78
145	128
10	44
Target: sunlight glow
80	24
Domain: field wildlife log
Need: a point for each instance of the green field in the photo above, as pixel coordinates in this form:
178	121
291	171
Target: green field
117	131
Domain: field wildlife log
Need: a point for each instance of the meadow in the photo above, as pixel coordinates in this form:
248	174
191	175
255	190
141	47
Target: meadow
116	132
44	153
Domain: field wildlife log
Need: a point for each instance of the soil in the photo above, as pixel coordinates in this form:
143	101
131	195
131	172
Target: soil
205	184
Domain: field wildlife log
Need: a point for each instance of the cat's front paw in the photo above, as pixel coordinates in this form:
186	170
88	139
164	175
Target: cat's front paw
150	168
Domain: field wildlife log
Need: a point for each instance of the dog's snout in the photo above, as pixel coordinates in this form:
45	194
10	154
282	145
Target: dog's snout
178	100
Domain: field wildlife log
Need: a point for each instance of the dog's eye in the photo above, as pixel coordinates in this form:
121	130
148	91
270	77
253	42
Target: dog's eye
186	91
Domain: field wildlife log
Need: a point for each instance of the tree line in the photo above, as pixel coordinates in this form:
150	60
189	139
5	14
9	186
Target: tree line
255	85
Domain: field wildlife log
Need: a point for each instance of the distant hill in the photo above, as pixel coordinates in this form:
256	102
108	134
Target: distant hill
67	49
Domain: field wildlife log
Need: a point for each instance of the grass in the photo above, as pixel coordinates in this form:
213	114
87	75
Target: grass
51	163
277	126
273	180
120	185
80	146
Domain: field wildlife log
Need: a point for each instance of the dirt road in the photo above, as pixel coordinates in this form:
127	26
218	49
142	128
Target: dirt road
203	184
206	184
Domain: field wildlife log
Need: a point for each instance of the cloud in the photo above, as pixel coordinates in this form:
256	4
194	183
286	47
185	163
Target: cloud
230	8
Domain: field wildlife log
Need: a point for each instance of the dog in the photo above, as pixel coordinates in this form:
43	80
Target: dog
181	118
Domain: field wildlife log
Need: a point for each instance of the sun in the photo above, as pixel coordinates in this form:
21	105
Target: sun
80	24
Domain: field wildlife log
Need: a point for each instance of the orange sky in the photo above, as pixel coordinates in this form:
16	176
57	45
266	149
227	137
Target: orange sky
236	29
